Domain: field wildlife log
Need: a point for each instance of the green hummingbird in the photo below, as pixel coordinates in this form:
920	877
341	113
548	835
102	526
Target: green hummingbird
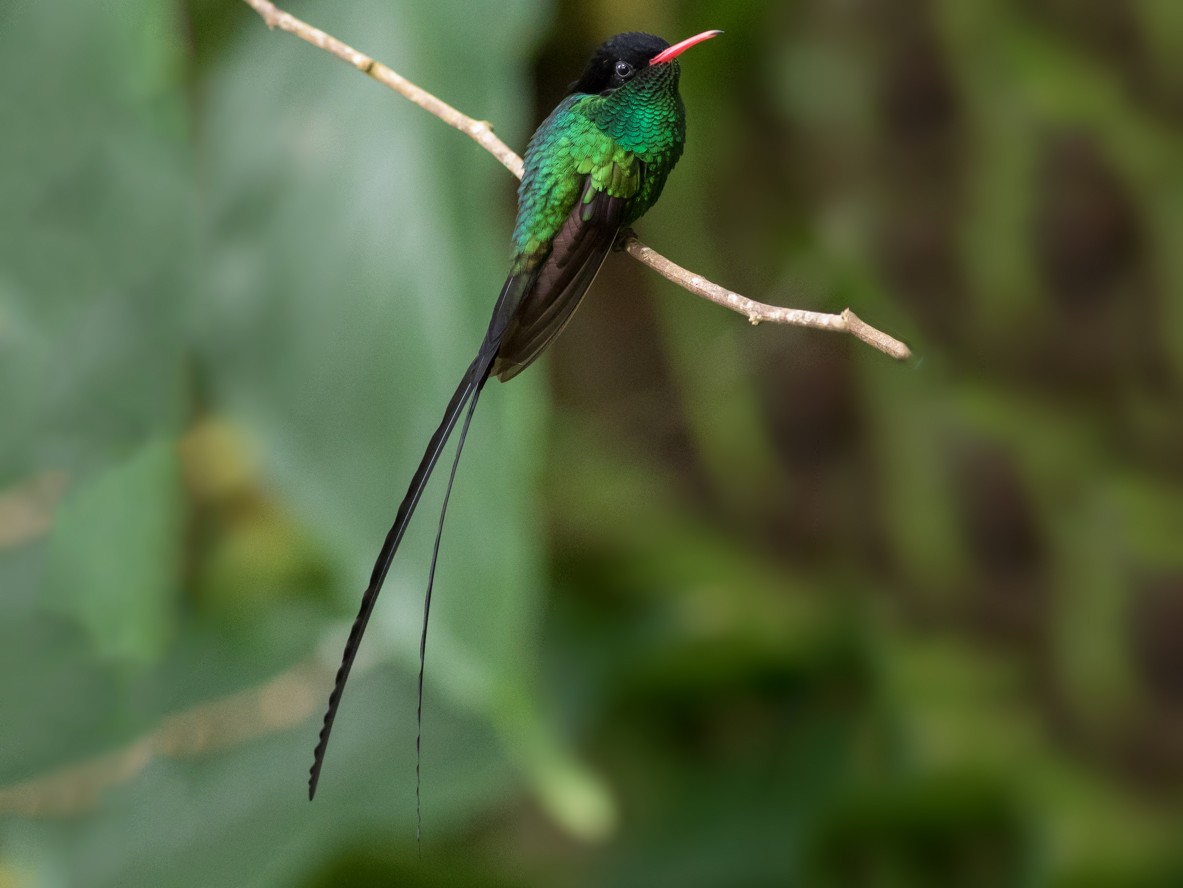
595	165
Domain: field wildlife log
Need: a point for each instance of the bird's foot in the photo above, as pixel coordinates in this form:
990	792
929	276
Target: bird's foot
622	238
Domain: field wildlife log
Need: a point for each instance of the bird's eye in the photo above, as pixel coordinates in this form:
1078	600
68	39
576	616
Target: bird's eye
624	70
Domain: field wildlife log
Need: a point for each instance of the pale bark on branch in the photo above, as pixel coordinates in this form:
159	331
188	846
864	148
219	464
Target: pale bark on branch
482	132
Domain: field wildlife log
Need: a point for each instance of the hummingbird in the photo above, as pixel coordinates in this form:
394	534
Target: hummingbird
593	167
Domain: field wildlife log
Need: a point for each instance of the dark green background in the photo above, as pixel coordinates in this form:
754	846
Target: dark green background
718	605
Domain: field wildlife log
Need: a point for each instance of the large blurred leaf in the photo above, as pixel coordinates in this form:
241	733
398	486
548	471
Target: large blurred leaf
115	553
95	235
350	251
95	246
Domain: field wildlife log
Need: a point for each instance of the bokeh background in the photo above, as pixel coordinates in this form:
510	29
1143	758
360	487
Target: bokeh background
718	605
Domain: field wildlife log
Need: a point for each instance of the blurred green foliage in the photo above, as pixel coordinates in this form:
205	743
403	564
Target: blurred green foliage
717	605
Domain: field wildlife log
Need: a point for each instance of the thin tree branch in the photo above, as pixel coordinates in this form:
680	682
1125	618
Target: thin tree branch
482	132
758	312
479	130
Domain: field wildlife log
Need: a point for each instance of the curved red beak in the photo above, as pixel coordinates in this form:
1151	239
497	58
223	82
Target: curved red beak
668	55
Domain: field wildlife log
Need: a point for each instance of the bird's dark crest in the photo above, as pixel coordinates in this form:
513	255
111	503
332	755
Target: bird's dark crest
635	47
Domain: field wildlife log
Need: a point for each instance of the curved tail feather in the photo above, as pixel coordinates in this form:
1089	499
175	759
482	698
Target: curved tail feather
435	554
473	378
470	386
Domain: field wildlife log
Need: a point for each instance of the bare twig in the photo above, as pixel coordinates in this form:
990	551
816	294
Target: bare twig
758	312
482	132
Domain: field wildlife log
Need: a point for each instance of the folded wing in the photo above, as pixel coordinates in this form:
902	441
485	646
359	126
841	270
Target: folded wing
577	250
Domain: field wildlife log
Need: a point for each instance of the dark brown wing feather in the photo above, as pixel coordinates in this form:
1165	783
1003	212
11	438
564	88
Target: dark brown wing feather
561	279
